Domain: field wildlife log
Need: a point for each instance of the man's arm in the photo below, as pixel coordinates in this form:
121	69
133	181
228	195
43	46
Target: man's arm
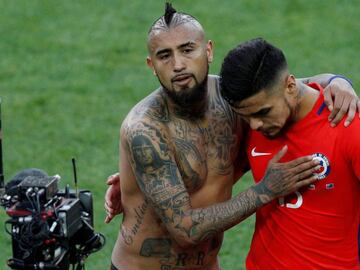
345	97
157	174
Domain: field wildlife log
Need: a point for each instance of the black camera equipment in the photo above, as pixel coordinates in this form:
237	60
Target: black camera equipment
50	228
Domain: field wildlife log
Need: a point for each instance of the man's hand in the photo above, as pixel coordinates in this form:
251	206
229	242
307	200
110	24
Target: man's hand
345	101
113	205
285	178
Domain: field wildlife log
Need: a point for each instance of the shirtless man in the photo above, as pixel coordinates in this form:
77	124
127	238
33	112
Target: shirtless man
178	149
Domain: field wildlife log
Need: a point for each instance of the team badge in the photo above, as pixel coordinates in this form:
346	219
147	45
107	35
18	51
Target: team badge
325	166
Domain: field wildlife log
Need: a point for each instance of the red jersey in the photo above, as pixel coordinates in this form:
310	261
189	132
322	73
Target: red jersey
317	227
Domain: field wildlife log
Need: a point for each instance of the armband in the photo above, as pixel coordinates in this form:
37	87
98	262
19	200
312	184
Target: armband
340	77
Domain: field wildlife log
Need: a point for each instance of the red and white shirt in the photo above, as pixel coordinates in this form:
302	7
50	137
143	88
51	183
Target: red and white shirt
317	227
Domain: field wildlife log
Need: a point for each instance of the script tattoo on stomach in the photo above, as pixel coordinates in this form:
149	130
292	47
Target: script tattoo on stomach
169	260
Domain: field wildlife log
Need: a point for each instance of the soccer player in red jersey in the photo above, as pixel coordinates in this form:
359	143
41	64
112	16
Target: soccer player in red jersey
317	226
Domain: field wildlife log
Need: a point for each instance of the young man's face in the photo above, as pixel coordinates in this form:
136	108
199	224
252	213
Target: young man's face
269	111
179	58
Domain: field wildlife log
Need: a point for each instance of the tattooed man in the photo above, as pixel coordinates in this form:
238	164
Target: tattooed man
178	148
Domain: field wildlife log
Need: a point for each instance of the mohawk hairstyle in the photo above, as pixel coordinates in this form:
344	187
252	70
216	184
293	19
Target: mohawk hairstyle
169	13
172	18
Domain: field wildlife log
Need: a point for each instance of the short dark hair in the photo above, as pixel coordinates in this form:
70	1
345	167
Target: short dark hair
248	68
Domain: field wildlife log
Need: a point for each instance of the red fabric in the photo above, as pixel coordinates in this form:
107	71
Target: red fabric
316	228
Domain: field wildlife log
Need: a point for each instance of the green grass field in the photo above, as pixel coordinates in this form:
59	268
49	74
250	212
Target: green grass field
71	70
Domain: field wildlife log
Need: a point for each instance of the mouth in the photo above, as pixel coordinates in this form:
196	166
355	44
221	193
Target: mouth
182	80
270	132
266	131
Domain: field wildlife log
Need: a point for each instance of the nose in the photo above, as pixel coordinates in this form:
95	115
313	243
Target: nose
179	63
255	123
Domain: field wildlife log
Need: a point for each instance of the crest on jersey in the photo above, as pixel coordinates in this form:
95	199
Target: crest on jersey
324	166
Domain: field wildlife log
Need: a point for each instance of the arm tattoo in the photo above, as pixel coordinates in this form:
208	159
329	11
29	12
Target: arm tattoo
210	221
158	173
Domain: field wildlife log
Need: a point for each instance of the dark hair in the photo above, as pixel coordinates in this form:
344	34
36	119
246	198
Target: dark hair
249	68
169	13
171	18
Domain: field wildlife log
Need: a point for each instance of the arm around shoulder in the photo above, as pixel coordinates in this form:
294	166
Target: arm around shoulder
147	146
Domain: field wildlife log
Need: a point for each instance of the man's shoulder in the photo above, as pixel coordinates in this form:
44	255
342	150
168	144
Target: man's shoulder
151	110
152	107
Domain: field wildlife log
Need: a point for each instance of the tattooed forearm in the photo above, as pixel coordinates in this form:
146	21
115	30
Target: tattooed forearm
159	178
210	221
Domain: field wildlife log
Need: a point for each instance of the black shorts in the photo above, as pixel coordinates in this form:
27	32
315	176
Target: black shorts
112	267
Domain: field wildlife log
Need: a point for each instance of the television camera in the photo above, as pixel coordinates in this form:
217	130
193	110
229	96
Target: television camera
50	228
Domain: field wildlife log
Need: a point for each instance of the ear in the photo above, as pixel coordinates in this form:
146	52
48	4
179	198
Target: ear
209	51
290	82
150	64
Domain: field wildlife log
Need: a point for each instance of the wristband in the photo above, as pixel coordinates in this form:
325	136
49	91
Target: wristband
340	77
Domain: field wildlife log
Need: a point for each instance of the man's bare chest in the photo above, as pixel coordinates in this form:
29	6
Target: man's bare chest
202	151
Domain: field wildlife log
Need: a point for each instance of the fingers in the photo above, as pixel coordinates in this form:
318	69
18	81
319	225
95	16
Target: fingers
345	102
113	179
112	201
341	109
108	203
111	212
328	99
279	154
351	113
112	197
108	197
337	105
306	162
107	219
307	173
109	216
115	208
284	178
305	182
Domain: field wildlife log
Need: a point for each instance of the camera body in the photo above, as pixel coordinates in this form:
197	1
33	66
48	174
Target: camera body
49	228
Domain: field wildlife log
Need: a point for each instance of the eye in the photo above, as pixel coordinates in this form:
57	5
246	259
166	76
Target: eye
187	50
263	112
164	56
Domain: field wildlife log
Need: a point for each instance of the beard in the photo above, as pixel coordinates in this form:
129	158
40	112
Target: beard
189	97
